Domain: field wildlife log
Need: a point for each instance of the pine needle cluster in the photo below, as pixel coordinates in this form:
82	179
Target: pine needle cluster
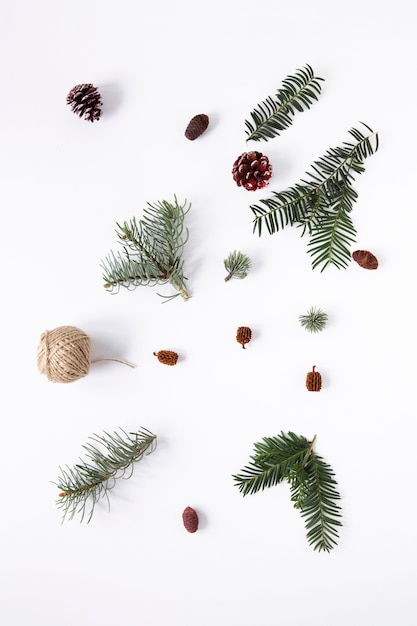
314	320
275	114
237	265
312	485
83	485
321	204
152	250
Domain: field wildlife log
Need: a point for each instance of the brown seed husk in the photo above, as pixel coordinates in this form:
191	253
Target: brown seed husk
243	335
313	380
190	519
365	259
196	126
167	357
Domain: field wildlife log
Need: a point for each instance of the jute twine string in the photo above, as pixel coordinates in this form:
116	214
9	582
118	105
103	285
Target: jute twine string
64	354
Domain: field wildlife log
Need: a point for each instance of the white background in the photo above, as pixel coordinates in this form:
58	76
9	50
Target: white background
64	185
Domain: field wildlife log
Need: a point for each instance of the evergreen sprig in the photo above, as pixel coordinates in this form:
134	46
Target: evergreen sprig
83	485
275	114
321	204
290	457
314	320
237	264
152	250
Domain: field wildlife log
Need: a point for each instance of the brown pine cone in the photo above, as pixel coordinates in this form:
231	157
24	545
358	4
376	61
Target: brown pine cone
167	357
313	380
252	170
243	335
85	101
196	126
365	259
190	519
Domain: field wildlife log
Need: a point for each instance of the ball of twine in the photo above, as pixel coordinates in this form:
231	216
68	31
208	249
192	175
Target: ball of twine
64	354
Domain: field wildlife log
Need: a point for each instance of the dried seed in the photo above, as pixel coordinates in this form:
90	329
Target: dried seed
196	126
313	380
365	259
190	519
243	335
167	357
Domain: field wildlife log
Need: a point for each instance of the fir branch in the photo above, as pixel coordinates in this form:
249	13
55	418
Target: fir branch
83	485
237	265
312	484
321	205
152	250
275	114
314	320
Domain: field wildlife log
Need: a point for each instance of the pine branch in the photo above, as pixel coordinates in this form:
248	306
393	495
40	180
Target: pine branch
152	250
320	205
275	114
83	485
312	484
237	265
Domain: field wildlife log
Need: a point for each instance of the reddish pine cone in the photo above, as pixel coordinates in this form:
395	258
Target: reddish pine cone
252	170
243	335
167	357
190	519
365	259
85	101
196	126
313	380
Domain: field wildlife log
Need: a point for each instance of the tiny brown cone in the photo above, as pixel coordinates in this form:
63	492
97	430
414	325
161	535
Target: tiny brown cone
167	357
190	519
313	380
196	126
365	259
243	335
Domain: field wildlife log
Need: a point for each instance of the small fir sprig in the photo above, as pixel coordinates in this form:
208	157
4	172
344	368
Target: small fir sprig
275	114
314	320
312	485
321	204
152	250
237	265
83	485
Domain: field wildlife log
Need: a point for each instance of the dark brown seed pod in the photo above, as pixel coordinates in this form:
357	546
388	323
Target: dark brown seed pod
190	519
167	357
313	380
85	101
365	259
243	335
196	126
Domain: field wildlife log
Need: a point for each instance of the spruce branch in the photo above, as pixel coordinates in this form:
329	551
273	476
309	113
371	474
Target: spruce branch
83	485
237	265
275	114
312	485
314	320
321	204
152	250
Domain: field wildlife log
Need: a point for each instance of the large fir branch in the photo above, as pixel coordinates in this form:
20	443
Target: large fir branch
318	506
152	250
83	485
320	204
275	114
273	459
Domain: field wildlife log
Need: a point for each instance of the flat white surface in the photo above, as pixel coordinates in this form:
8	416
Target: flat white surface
64	185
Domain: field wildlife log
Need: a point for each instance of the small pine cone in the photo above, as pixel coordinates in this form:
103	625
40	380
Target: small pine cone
85	101
252	170
196	126
190	519
243	335
313	380
167	357
365	259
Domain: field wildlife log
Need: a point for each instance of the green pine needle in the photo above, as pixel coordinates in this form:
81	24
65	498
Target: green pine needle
237	265
83	485
275	114
312	485
152	250
321	204
314	321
